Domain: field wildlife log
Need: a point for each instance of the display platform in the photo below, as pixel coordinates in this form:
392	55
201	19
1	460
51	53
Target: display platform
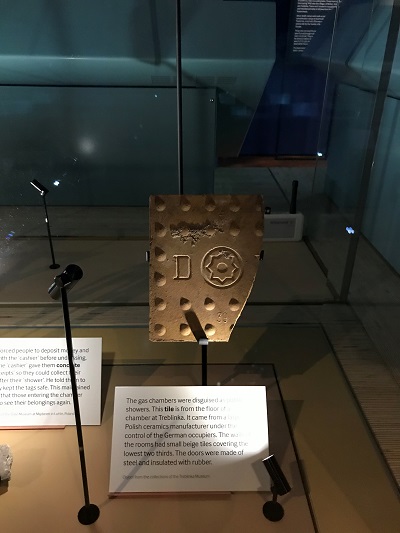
46	487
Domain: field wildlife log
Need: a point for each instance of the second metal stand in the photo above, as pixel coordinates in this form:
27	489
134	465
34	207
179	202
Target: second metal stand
89	513
54	265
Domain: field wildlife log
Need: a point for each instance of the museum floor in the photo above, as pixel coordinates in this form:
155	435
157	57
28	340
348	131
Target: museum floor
346	481
340	398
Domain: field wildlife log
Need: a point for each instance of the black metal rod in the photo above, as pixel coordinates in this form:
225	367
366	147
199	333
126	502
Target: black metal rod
293	199
74	388
90	512
204	363
390	49
179	94
54	264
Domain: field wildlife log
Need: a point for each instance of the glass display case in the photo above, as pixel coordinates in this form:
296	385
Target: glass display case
105	104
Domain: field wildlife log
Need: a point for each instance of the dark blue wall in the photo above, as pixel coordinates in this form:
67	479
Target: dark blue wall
287	120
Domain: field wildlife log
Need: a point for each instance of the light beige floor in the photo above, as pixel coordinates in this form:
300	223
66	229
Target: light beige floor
170	514
349	484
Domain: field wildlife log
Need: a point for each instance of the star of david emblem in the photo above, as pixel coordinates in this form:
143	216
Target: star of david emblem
221	267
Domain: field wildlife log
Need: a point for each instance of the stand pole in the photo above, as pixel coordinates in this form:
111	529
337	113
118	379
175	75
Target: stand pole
204	346
90	512
54	265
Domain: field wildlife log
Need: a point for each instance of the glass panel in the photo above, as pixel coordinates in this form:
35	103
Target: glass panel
89	115
88	108
96	146
355	54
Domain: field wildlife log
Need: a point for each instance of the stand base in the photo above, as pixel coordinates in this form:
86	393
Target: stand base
273	511
54	266
88	514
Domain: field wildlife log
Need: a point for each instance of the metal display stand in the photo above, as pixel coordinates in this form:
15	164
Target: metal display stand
43	191
64	282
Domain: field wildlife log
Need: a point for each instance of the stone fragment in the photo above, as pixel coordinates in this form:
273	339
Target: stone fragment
204	255
6	460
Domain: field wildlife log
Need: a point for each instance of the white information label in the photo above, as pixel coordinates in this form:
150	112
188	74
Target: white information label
35	383
180	439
